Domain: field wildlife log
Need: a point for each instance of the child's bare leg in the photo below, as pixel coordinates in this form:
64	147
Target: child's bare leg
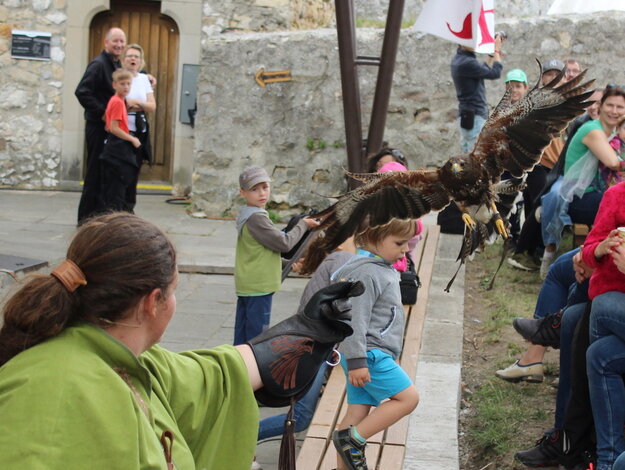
354	415
388	412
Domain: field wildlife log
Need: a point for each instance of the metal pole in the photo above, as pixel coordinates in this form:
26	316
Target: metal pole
385	77
349	82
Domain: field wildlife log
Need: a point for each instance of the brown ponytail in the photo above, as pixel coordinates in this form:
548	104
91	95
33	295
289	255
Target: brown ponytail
123	259
315	254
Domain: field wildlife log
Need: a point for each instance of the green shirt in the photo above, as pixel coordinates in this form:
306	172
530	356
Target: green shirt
83	400
577	149
257	269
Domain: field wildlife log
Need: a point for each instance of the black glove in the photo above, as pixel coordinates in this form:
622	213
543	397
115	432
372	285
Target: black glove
290	353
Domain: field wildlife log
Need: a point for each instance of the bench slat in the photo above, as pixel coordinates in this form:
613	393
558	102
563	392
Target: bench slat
392	457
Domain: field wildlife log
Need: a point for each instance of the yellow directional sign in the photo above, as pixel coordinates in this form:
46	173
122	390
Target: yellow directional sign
262	77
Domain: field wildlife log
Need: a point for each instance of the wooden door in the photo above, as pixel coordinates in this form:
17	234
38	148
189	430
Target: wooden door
158	35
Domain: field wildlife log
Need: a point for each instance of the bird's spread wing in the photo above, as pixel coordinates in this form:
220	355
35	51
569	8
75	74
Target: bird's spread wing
515	135
402	195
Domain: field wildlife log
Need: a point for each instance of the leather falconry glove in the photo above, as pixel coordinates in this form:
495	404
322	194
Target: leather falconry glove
290	353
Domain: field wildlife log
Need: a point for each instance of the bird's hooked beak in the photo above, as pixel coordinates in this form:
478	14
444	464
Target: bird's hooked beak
456	168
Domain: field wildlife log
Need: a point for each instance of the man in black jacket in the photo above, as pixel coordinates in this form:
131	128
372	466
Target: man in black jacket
468	75
93	92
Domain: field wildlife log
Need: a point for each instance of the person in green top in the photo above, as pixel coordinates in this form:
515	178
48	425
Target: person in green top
84	385
258	263
575	196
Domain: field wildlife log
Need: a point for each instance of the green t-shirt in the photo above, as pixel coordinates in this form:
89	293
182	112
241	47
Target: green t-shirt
83	400
577	149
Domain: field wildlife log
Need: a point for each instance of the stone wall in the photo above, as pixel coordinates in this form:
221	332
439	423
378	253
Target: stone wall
376	9
266	15
296	129
30	96
280	15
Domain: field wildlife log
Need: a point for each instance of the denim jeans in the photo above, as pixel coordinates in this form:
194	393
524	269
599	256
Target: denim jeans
605	361
620	463
557	286
607	316
302	412
252	317
468	137
570	318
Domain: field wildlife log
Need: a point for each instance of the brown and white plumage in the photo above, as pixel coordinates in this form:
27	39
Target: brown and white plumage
512	139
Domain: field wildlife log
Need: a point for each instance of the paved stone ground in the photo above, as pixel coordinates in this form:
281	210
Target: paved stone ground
39	224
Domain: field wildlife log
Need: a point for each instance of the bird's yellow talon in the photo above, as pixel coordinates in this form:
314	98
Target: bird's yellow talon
501	228
468	221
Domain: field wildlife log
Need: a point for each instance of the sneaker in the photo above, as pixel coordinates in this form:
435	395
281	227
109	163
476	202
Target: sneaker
516	372
351	451
545	264
523	261
256	465
542	331
549	450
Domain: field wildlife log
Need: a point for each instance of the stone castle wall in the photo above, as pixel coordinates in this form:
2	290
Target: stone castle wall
296	129
30	96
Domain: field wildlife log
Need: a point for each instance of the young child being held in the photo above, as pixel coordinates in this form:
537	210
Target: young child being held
369	356
258	265
119	161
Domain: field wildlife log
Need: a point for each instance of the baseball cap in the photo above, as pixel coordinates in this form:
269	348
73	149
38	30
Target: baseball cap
392	166
553	64
516	75
251	176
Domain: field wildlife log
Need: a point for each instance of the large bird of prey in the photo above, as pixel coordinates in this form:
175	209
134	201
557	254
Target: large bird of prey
512	139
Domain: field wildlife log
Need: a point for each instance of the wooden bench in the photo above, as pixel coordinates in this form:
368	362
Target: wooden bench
580	231
385	450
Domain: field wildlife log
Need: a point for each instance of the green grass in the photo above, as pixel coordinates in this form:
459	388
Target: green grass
502	417
502	409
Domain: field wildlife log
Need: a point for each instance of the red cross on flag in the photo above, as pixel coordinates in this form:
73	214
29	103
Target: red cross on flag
469	23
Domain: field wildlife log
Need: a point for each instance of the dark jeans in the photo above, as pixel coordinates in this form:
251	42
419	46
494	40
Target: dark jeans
583	210
530	238
555	291
252	318
578	422
303	410
89	200
570	319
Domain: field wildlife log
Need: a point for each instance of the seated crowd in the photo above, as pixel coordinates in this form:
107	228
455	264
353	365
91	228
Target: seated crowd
582	300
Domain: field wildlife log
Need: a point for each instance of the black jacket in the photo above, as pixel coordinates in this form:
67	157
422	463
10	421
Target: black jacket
468	75
96	86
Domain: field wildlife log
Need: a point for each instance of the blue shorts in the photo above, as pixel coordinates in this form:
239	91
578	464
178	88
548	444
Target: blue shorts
387	379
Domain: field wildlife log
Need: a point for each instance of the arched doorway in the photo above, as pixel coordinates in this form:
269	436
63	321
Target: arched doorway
159	36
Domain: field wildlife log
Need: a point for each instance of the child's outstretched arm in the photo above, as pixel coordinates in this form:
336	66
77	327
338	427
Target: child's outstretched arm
265	233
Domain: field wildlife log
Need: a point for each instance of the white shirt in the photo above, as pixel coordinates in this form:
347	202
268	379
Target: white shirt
140	89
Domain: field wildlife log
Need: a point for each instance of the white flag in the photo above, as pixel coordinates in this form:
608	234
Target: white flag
469	23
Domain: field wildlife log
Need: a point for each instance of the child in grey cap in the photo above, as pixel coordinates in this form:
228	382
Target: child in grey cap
258	265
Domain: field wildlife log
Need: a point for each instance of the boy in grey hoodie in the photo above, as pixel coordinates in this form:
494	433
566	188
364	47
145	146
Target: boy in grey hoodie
257	265
369	356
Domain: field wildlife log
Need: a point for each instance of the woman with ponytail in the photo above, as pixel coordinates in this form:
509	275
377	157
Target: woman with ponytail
84	385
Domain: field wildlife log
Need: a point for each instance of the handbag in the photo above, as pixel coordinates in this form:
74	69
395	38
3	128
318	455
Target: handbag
409	284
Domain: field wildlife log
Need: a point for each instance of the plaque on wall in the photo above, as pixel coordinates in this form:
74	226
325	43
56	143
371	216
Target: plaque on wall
33	45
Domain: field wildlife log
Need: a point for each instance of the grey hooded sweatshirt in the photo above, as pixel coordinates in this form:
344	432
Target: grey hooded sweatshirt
377	315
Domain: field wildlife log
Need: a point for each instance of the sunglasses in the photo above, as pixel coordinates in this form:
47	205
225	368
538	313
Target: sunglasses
397	155
613	86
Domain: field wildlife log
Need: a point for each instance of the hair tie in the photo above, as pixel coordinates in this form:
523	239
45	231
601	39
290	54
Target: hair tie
70	275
